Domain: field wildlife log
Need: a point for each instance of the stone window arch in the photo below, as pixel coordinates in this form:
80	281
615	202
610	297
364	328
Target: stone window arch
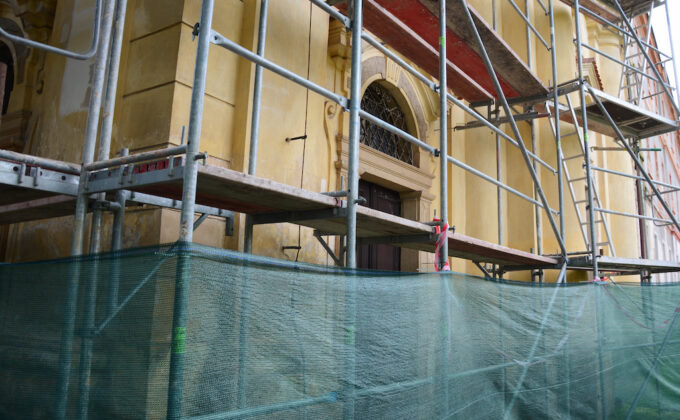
377	100
6	76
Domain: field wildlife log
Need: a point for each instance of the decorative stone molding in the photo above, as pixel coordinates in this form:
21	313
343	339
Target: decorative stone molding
592	73
413	182
379	167
339	45
392	72
385	170
20	52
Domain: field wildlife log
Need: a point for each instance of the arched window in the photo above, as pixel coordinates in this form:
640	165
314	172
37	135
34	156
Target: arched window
6	76
378	101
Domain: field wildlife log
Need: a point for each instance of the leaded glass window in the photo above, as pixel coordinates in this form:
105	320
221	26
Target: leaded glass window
378	101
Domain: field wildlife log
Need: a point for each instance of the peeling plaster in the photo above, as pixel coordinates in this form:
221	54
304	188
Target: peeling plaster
77	79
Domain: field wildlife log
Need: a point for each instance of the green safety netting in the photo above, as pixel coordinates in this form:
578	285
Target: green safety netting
267	338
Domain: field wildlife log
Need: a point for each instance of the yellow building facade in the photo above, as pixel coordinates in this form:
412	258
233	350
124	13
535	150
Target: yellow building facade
48	110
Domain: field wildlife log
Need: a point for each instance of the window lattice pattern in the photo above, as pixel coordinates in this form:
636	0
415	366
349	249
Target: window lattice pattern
379	101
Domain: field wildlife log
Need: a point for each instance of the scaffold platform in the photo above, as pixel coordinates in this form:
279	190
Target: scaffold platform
273	202
267	201
29	192
632	120
623	266
410	28
607	10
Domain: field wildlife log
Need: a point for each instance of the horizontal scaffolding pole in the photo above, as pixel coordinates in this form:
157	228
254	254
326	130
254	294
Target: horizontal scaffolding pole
342	101
392	56
138	157
55	165
638	346
96	331
496	182
633	156
543	6
529	24
321	4
621	30
152	200
641	178
221	41
562	89
333	397
628	66
394	130
432	85
649	61
529	116
66	53
496	130
269	409
663	192
633	215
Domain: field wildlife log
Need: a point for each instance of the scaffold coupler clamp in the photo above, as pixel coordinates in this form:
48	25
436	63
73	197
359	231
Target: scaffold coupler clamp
195	31
441	233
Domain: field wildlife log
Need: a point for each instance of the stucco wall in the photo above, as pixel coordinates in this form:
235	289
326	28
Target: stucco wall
153	106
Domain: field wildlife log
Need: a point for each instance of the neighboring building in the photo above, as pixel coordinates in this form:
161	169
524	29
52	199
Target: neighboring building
663	163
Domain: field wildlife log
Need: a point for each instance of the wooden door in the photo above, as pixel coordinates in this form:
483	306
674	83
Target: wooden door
379	257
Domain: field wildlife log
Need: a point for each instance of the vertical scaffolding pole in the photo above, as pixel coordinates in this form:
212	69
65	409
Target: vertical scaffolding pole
70	306
352	199
87	337
560	191
532	352
116	245
442	370
636	160
532	128
255	119
443	138
513	124
85	366
499	191
648	310
544	349
92	126
652	369
108	111
354	132
186	228
644	244
648	59
675	65
248	235
504	376
556	104
600	358
589	173
591	206
567	391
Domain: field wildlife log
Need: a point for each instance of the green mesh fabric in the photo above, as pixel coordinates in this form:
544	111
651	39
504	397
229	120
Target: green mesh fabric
272	339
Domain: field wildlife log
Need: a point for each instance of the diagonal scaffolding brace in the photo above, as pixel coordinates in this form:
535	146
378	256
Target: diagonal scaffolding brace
515	129
648	59
633	155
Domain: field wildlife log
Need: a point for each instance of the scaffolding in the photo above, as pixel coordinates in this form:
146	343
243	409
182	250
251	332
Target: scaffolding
179	177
